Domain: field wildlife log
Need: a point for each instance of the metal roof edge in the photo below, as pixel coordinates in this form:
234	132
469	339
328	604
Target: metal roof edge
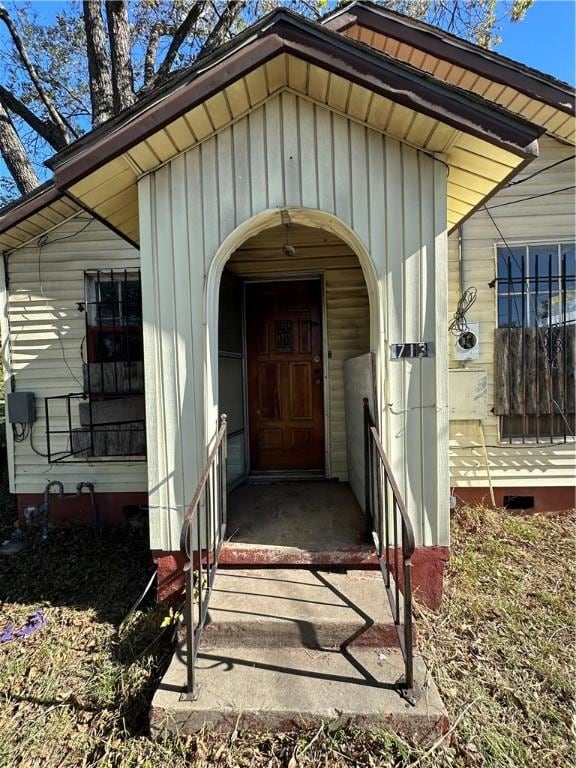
416	32
27	205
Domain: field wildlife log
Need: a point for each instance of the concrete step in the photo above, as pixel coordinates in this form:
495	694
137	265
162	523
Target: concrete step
292	607
281	689
238	554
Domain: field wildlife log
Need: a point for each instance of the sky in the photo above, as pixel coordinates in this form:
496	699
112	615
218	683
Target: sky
545	39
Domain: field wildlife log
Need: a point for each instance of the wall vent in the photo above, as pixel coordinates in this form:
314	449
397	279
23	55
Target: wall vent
519	502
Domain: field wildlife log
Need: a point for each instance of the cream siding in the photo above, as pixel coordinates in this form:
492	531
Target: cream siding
111	190
543	219
373	190
347	311
46	333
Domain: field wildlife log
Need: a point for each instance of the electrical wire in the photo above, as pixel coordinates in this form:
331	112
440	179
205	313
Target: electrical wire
21	431
46	455
541	170
538	328
530	197
42	242
459	324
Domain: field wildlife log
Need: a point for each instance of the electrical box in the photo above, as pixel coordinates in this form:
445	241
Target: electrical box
20	407
467	343
467	394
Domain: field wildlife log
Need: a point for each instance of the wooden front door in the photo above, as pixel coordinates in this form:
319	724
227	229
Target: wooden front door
285	382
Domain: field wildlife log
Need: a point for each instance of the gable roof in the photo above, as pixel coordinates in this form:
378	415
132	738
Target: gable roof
285	32
483	144
538	97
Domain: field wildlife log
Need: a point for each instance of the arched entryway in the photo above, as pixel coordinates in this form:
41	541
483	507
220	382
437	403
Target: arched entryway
293	305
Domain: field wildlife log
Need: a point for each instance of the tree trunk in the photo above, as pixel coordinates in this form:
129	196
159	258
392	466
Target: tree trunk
120	50
98	69
15	156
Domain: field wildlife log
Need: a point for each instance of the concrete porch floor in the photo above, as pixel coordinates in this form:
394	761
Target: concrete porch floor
310	522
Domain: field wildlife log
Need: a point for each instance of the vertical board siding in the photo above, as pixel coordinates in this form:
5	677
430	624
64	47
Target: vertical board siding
46	338
543	219
291	153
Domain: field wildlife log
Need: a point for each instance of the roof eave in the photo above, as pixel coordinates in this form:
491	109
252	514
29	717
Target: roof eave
462	53
28	205
286	33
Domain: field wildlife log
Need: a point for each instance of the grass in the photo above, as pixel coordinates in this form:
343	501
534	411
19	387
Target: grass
77	692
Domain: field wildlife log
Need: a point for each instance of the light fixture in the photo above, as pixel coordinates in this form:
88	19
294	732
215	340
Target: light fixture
287	250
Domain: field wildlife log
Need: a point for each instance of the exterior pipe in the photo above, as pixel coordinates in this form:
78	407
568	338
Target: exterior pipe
461	258
95	513
46	504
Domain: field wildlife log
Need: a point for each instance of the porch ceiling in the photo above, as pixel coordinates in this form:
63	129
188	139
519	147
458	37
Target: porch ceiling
483	145
477	167
540	99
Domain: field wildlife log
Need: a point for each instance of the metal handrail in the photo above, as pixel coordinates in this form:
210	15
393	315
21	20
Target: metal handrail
201	539
387	512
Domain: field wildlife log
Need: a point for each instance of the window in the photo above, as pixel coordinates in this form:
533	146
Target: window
535	341
107	418
114	317
114	369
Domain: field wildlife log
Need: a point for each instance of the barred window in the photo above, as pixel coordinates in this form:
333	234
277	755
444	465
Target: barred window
535	341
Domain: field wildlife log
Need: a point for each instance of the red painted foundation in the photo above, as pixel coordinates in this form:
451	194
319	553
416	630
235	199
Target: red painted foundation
554	499
77	509
428	564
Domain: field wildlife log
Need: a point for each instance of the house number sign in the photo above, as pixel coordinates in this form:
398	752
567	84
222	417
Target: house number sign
411	349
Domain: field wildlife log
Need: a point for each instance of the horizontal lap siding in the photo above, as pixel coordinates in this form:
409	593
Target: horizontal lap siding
543	218
46	334
346	299
291	153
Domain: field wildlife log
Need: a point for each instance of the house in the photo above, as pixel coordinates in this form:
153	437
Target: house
278	232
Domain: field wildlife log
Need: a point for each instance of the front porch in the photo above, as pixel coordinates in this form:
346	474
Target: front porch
298	522
280	647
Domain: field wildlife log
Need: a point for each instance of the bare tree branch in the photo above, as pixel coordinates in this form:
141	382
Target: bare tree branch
120	54
33	74
156	32
15	156
222	26
100	77
179	36
45	128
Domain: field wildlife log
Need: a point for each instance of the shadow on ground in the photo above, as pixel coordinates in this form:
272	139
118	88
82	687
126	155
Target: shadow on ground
76	567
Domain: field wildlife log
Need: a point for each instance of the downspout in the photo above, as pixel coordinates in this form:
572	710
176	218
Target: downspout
460	260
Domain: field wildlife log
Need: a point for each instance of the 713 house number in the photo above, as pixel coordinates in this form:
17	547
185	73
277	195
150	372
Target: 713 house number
412	349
